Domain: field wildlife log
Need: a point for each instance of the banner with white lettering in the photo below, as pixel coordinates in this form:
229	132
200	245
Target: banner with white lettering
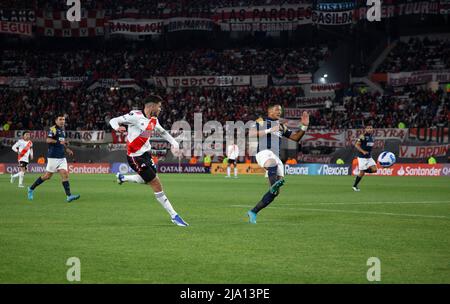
324	138
297	112
72	136
289	80
16	28
423	151
18	15
325	87
136	26
208	81
418	77
189	24
380	136
332	18
260	81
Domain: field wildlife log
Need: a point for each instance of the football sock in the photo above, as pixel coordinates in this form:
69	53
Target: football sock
17	174
37	183
66	187
134	179
272	173
21	175
265	201
164	201
228	171
357	180
235	171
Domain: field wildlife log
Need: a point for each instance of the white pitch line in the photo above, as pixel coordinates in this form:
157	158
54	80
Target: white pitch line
352	211
367	203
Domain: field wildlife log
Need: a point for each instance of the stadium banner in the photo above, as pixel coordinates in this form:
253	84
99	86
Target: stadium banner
401	9
291	80
436	134
312	101
16	28
260	81
55	24
117	147
18	15
131	26
111	83
188	24
73	168
72	136
219	168
123	168
418	77
297	112
324	88
208	81
332	18
182	168
2	169
317	169
407	170
423	151
445	170
263	18
351	135
324	138
158	81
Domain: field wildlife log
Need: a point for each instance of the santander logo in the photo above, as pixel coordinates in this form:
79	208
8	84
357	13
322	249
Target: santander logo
401	171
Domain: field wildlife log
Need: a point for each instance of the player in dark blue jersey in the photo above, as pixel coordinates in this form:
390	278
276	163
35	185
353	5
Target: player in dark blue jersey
269	131
56	160
366	164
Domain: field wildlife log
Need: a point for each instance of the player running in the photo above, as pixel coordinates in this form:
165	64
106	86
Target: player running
233	154
140	126
56	160
366	164
24	149
269	131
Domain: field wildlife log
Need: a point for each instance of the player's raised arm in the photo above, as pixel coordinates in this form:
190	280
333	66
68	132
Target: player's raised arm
126	119
304	123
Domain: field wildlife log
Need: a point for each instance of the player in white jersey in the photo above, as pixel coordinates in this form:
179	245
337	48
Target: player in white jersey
140	126
24	150
232	154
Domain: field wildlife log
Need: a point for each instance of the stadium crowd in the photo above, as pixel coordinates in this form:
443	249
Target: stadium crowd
142	63
417	55
88	110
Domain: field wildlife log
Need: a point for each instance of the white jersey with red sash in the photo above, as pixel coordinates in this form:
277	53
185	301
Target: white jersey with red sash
140	129
24	150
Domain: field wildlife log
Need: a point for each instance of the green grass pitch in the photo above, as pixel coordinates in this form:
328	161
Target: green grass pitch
317	231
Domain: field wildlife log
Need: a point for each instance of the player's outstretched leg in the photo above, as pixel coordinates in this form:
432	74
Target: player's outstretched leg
129	178
36	183
66	185
21	176
357	180
165	203
268	196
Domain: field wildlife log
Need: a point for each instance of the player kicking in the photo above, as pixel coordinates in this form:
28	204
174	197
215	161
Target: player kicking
233	154
56	160
24	149
140	125
366	164
269	131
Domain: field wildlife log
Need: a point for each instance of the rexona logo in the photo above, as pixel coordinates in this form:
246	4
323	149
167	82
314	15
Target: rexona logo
296	170
334	170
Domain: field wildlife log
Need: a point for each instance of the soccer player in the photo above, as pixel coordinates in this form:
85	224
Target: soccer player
233	154
24	149
269	131
56	160
140	126
366	164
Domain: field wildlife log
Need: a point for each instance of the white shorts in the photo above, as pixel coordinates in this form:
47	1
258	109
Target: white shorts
55	164
365	163
264	155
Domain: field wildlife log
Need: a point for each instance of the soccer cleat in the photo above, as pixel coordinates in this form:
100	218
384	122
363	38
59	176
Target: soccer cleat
72	197
177	220
12	179
356	189
21	186
251	217
276	186
30	194
119	177
226	176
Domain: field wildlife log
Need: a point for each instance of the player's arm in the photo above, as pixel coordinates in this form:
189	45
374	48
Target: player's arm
66	147
256	132
15	147
117	122
358	146
166	135
51	136
304	123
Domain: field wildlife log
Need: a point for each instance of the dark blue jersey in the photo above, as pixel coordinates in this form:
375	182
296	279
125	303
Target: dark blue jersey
367	143
56	150
271	141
